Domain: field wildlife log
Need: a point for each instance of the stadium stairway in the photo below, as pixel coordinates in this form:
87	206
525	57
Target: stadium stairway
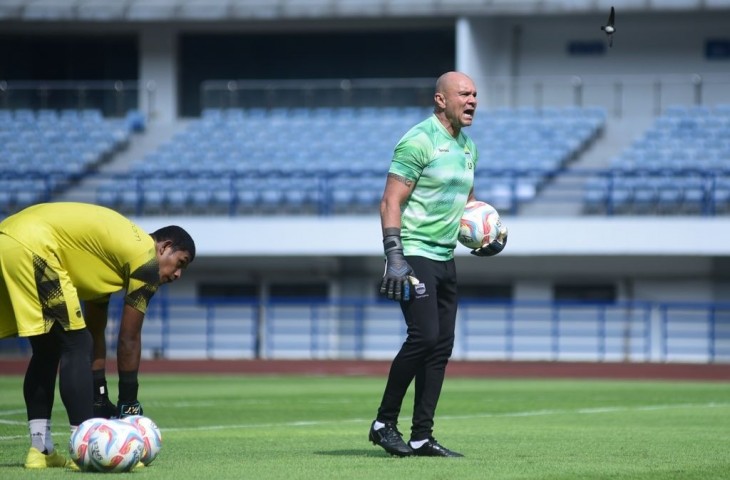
154	135
562	196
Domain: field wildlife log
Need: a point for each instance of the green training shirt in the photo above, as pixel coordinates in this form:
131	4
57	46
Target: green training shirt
443	168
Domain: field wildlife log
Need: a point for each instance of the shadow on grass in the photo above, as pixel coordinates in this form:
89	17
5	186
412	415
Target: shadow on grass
353	453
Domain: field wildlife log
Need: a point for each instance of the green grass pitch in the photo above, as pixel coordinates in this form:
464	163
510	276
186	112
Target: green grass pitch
311	427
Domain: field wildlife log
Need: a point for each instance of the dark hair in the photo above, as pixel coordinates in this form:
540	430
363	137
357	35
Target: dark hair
181	240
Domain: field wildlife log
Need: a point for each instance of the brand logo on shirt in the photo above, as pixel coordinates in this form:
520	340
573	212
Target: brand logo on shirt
135	231
443	148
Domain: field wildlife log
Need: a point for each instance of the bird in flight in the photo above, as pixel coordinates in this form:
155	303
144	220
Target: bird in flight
609	28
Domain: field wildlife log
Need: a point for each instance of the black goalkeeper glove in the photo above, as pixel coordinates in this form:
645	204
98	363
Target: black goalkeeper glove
127	409
103	407
397	275
492	248
128	404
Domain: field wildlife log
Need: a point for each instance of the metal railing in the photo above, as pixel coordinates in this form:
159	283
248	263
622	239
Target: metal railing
178	328
374	329
621	95
316	93
187	193
113	97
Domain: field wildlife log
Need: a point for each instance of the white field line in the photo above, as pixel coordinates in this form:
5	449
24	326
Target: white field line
5	413
533	413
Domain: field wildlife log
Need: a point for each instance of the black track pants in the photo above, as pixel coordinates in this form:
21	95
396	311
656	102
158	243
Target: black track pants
430	315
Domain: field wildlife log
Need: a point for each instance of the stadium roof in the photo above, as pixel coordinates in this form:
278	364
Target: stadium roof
234	10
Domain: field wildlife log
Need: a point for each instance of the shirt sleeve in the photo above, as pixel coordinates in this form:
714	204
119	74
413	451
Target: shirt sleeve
410	157
144	279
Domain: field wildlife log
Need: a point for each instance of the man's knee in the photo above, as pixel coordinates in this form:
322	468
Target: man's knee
77	340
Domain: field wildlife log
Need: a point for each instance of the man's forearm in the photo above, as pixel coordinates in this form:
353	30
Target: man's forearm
129	351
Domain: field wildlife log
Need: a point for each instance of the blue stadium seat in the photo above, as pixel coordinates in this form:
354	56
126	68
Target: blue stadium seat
670	195
595	194
685	145
358	143
177	199
200	198
620	194
644	194
154	200
246	199
721	194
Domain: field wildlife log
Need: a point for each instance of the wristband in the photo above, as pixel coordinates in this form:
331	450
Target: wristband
391	240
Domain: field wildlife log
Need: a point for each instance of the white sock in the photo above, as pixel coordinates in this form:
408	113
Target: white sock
418	444
49	438
40	428
377	425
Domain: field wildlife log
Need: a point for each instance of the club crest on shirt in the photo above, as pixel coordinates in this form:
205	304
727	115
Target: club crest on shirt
469	162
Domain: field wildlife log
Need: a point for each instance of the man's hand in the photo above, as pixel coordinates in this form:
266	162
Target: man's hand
103	407
127	403
395	284
127	409
494	247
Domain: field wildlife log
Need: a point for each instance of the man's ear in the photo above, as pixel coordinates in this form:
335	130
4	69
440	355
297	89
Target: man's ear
439	99
161	246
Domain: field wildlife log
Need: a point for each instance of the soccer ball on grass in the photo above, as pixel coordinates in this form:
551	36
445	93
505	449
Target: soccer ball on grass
78	444
150	434
115	446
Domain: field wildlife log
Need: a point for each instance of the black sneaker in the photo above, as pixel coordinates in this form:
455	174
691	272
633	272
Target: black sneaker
390	439
432	448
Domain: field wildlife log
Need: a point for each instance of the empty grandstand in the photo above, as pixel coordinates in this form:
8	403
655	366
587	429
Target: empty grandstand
679	165
266	128
45	152
331	160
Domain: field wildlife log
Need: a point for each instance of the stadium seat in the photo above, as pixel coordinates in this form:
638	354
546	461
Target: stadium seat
683	148
620	195
721	195
644	195
595	195
670	196
355	142
694	195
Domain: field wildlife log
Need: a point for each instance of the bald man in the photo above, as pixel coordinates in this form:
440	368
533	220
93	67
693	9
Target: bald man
430	180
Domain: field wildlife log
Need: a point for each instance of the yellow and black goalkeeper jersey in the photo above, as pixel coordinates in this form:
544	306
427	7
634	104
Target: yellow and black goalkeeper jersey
102	251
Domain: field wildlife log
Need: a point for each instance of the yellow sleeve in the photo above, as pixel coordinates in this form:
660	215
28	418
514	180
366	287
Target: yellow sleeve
144	278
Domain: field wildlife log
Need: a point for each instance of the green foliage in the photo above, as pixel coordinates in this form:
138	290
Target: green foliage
281	427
